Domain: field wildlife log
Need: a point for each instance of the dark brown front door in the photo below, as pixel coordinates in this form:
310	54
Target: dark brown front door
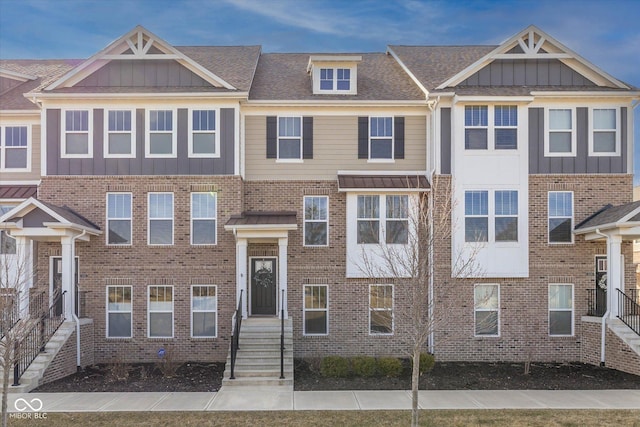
263	286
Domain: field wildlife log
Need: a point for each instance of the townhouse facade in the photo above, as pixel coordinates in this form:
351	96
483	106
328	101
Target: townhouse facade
163	188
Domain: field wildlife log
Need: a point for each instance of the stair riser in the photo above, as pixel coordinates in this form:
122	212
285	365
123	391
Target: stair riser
254	383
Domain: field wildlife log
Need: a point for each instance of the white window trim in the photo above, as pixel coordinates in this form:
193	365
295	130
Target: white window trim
574	144
107	311
493	127
353	78
617	130
490	225
278	137
304	221
89	132
491	218
149	311
106	239
304	311
573	321
3	149
204	311
393	145
371	309
573	209
488	128
174	133
107	132
149	219
496	216
216	155
196	219
476	309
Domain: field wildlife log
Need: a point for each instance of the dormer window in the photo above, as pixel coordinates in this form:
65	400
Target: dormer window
334	74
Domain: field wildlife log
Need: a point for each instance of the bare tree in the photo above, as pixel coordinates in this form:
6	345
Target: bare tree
406	256
16	273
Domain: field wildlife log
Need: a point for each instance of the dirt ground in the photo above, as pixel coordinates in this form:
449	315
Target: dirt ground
203	377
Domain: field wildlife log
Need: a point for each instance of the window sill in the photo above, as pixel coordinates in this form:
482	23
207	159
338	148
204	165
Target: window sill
381	161
289	161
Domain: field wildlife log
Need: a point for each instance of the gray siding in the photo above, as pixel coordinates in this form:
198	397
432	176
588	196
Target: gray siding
445	141
527	72
151	73
180	165
582	162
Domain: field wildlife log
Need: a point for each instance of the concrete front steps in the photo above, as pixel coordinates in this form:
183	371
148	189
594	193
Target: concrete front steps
258	358
626	334
31	378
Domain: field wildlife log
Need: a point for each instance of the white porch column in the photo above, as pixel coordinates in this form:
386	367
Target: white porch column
282	274
241	275
615	272
68	256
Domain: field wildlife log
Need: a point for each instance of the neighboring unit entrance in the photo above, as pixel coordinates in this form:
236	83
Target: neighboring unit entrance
263	286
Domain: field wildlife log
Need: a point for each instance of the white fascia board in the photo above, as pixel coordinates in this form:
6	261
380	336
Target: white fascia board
72	226
406	70
492	98
18	182
139	95
591	94
15	75
35	113
333	103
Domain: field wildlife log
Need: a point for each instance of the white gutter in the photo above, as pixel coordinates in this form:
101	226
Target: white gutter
73	298
603	324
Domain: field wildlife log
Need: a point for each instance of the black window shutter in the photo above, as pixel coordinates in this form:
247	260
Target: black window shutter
363	137
272	137
398	137
307	137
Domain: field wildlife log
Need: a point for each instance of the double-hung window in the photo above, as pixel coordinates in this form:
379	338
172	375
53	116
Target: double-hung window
368	219
506	216
119	309
160	227
326	78
560	208
204	136
160	312
120	139
203	218
505	127
316	220
316	311
560	132
289	138
397	219
161	135
604	138
381	138
204	311
380	309
487	309
77	130
383	218
476	212
476	123
14	148
561	309
119	218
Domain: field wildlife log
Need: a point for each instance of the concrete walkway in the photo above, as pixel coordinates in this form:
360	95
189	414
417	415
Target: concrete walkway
275	399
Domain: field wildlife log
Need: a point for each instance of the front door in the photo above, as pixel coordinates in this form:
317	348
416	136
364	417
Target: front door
56	280
263	286
601	285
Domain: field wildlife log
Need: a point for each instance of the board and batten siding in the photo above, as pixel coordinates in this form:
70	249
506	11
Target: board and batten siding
335	148
140	165
581	162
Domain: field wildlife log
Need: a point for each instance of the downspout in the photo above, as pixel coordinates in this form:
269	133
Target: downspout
431	105
75	316
603	322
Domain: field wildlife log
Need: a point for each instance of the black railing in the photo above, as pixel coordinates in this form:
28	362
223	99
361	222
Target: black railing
629	311
634	294
27	348
9	316
596	302
282	336
235	336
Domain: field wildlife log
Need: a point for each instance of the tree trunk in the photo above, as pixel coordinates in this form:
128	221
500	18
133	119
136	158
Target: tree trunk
415	382
5	388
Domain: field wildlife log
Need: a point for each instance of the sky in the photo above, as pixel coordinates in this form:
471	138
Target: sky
605	32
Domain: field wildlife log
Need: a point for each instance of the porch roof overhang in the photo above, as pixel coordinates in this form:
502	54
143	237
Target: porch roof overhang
623	221
44	221
262	224
348	182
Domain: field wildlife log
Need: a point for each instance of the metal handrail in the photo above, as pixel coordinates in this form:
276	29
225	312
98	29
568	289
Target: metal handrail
282	336
235	336
596	302
9	316
629	311
35	339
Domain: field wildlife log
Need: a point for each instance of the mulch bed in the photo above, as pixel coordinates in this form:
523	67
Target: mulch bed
207	377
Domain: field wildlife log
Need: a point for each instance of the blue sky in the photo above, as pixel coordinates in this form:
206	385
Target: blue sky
604	32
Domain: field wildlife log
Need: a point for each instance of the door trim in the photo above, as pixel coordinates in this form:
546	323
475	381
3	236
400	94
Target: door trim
249	285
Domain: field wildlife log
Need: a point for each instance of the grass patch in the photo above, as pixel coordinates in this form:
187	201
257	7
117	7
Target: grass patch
517	418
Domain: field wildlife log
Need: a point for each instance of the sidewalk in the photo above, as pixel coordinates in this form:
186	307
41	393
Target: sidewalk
275	399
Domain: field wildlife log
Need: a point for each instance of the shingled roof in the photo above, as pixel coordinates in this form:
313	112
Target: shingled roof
611	215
